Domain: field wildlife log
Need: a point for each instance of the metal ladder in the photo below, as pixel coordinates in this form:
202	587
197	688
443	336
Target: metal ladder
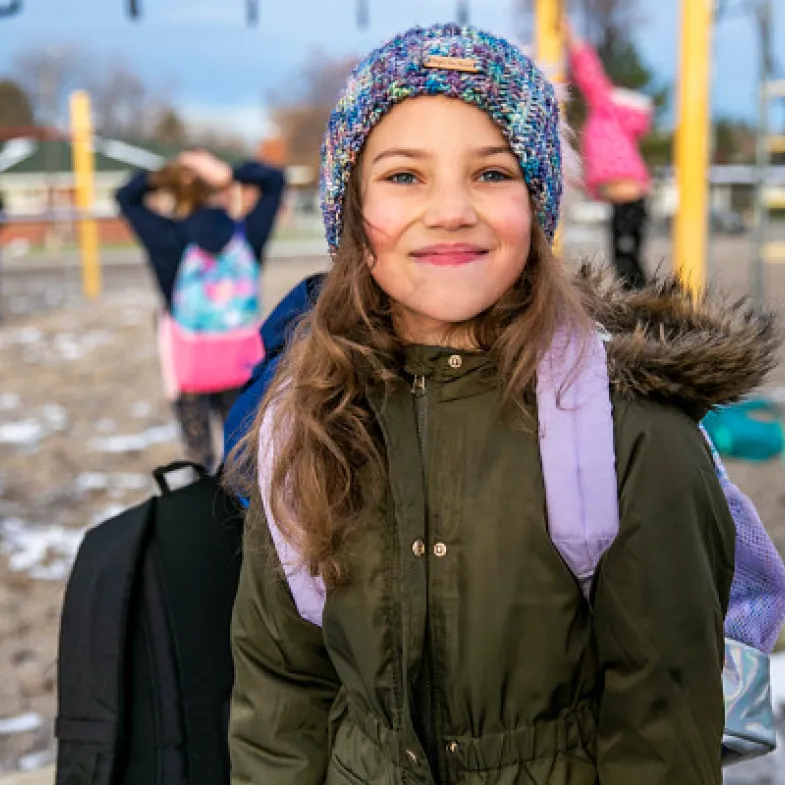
769	144
772	252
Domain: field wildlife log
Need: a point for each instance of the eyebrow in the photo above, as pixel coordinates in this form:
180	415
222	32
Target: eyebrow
412	152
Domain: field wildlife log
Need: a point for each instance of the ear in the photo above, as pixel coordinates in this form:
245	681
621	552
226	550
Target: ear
369	257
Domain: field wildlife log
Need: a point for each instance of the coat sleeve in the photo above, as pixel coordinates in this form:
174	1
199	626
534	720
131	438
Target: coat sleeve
661	595
589	75
636	121
152	229
285	683
260	220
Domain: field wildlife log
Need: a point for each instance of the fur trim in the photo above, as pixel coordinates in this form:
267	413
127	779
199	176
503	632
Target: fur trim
665	345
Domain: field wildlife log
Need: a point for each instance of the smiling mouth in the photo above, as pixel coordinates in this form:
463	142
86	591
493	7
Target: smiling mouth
451	255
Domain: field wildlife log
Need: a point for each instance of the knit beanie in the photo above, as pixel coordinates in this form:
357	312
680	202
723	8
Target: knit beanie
458	62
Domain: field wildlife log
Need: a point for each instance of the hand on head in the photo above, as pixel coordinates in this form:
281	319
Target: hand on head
565	28
207	167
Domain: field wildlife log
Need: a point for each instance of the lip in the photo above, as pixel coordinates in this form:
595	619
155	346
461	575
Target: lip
449	254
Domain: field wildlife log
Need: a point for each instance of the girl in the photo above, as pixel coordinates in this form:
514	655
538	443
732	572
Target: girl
201	188
615	169
421	626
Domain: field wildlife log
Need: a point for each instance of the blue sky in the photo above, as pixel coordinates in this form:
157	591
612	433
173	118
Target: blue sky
220	72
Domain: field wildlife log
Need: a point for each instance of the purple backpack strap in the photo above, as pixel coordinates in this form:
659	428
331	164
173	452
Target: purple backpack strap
577	452
307	591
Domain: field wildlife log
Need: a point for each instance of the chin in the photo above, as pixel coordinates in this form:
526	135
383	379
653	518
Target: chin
454	313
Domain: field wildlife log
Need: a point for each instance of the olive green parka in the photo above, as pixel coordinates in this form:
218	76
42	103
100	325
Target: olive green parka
462	650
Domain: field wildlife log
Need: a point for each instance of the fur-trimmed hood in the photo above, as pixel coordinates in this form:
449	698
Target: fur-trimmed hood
695	353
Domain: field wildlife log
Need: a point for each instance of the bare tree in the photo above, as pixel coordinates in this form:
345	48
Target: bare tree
170	128
603	22
48	76
121	104
125	106
16	108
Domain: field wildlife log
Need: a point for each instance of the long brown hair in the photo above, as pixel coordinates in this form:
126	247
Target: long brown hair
328	464
188	191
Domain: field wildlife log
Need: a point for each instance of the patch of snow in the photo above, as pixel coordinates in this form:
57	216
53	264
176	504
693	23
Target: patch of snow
43	552
55	416
20	305
135	442
23	336
27	432
97	481
21	724
17	248
105	425
110	511
9	401
131	319
142	409
23	432
36	760
72	346
54	297
28	335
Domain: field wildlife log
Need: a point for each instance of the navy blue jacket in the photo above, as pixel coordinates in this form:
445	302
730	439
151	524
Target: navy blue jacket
211	228
276	331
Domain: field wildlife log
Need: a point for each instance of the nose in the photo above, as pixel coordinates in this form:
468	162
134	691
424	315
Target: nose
450	206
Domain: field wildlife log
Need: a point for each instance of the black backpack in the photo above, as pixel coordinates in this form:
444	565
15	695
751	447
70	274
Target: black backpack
145	668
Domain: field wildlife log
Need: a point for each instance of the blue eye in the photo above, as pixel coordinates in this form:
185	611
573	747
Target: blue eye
402	178
494	176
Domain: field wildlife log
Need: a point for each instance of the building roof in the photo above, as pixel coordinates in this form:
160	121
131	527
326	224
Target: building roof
30	155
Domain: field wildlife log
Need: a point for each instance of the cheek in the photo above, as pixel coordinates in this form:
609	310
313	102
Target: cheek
386	221
512	224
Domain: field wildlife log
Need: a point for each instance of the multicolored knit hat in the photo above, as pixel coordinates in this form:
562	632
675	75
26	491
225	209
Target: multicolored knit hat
458	62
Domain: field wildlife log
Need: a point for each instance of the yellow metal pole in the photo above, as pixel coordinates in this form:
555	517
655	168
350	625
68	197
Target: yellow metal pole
549	52
547	15
692	144
84	171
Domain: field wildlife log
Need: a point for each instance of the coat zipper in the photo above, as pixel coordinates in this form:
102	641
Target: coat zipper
420	392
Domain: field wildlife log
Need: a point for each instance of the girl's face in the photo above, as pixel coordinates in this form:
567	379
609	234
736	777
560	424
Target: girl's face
447	214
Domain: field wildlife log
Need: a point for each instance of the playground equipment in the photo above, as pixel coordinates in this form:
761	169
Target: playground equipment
134	11
548	43
692	143
692	140
11	8
768	144
82	135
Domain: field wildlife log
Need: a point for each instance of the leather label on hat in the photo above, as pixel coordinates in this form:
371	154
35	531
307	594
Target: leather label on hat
466	64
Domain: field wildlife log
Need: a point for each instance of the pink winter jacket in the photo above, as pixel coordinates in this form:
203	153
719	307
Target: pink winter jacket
617	120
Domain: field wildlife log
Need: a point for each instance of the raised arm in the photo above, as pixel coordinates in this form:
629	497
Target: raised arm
587	70
261	218
153	230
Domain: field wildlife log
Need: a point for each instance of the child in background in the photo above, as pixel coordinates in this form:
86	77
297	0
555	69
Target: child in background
615	170
201	188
